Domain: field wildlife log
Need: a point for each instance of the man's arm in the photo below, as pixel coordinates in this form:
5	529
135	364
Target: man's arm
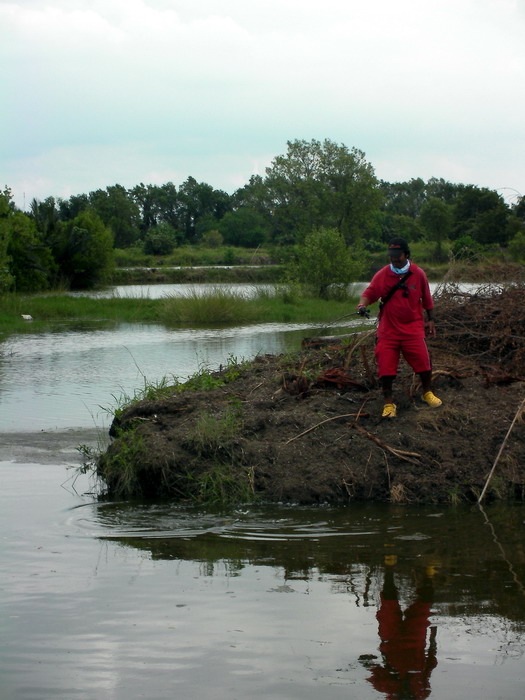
430	325
364	301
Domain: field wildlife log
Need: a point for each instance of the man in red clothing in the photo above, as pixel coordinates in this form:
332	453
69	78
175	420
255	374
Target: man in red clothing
403	289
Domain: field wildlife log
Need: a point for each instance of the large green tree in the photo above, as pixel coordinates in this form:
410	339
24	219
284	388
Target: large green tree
404	198
32	264
6	211
117	210
436	218
321	184
244	227
69	208
481	213
198	200
86	252
26	262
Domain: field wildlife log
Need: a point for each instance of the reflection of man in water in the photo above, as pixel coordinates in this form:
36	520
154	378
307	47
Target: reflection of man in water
405	673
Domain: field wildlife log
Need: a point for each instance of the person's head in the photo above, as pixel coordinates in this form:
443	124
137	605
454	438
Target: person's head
398	252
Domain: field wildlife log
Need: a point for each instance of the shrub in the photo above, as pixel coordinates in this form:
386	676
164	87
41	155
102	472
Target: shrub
466	248
325	265
160	240
212	239
517	247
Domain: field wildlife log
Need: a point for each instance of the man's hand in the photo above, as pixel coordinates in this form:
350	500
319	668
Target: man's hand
431	329
363	311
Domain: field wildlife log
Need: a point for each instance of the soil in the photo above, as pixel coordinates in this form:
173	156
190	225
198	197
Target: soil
307	429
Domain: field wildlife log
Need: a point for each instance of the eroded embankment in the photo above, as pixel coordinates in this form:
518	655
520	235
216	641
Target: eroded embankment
306	428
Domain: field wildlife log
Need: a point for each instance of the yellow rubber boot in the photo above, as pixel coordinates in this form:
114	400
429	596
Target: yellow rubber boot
432	400
389	410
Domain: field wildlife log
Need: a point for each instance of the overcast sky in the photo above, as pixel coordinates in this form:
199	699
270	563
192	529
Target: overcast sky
99	92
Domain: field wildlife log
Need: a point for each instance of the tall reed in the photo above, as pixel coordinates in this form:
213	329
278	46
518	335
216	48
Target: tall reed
218	306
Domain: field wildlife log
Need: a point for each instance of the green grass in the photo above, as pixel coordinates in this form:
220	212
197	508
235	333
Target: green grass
121	470
61	307
218	307
197	275
225	485
225	307
189	255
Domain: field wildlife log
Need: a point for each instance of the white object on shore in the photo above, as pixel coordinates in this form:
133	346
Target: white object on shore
27	317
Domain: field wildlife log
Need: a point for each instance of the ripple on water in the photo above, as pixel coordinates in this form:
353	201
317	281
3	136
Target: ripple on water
122	521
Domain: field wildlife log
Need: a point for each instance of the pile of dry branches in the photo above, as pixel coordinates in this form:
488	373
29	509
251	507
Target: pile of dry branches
486	326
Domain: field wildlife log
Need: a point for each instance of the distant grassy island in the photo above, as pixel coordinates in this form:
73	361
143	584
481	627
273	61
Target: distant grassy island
217	307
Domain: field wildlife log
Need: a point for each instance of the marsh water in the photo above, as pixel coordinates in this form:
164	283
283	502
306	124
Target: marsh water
158	600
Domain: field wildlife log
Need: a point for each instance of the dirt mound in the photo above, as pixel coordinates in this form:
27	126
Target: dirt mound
307	428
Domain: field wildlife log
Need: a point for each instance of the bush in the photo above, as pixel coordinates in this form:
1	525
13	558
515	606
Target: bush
466	248
86	255
160	240
212	239
517	247
325	265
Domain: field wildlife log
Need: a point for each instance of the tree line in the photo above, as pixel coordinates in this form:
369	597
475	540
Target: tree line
313	186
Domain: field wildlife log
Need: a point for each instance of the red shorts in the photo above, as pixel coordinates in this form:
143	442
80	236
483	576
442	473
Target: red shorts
414	351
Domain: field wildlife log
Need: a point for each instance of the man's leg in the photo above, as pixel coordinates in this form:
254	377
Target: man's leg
416	354
386	385
426	380
387	356
428	396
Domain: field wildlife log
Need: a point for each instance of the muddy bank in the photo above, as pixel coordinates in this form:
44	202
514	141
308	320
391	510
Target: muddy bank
306	428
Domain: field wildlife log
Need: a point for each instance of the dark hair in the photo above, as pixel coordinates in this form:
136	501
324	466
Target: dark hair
398	245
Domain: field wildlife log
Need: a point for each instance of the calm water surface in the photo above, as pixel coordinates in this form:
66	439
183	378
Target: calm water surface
155	600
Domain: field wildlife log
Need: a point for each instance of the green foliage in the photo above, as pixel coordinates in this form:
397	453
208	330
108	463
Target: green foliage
32	263
482	214
284	304
86	251
244	227
212	239
517	247
119	212
6	278
201	380
150	391
466	248
120	470
196	200
320	184
47	219
229	257
213	308
213	434
160	240
325	265
314	185
393	225
404	198
26	263
225	484
436	218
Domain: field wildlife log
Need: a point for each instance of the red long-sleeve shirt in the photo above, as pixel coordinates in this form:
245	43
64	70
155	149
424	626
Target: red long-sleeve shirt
402	317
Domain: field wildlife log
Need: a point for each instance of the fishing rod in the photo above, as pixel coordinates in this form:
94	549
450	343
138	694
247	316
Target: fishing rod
365	313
